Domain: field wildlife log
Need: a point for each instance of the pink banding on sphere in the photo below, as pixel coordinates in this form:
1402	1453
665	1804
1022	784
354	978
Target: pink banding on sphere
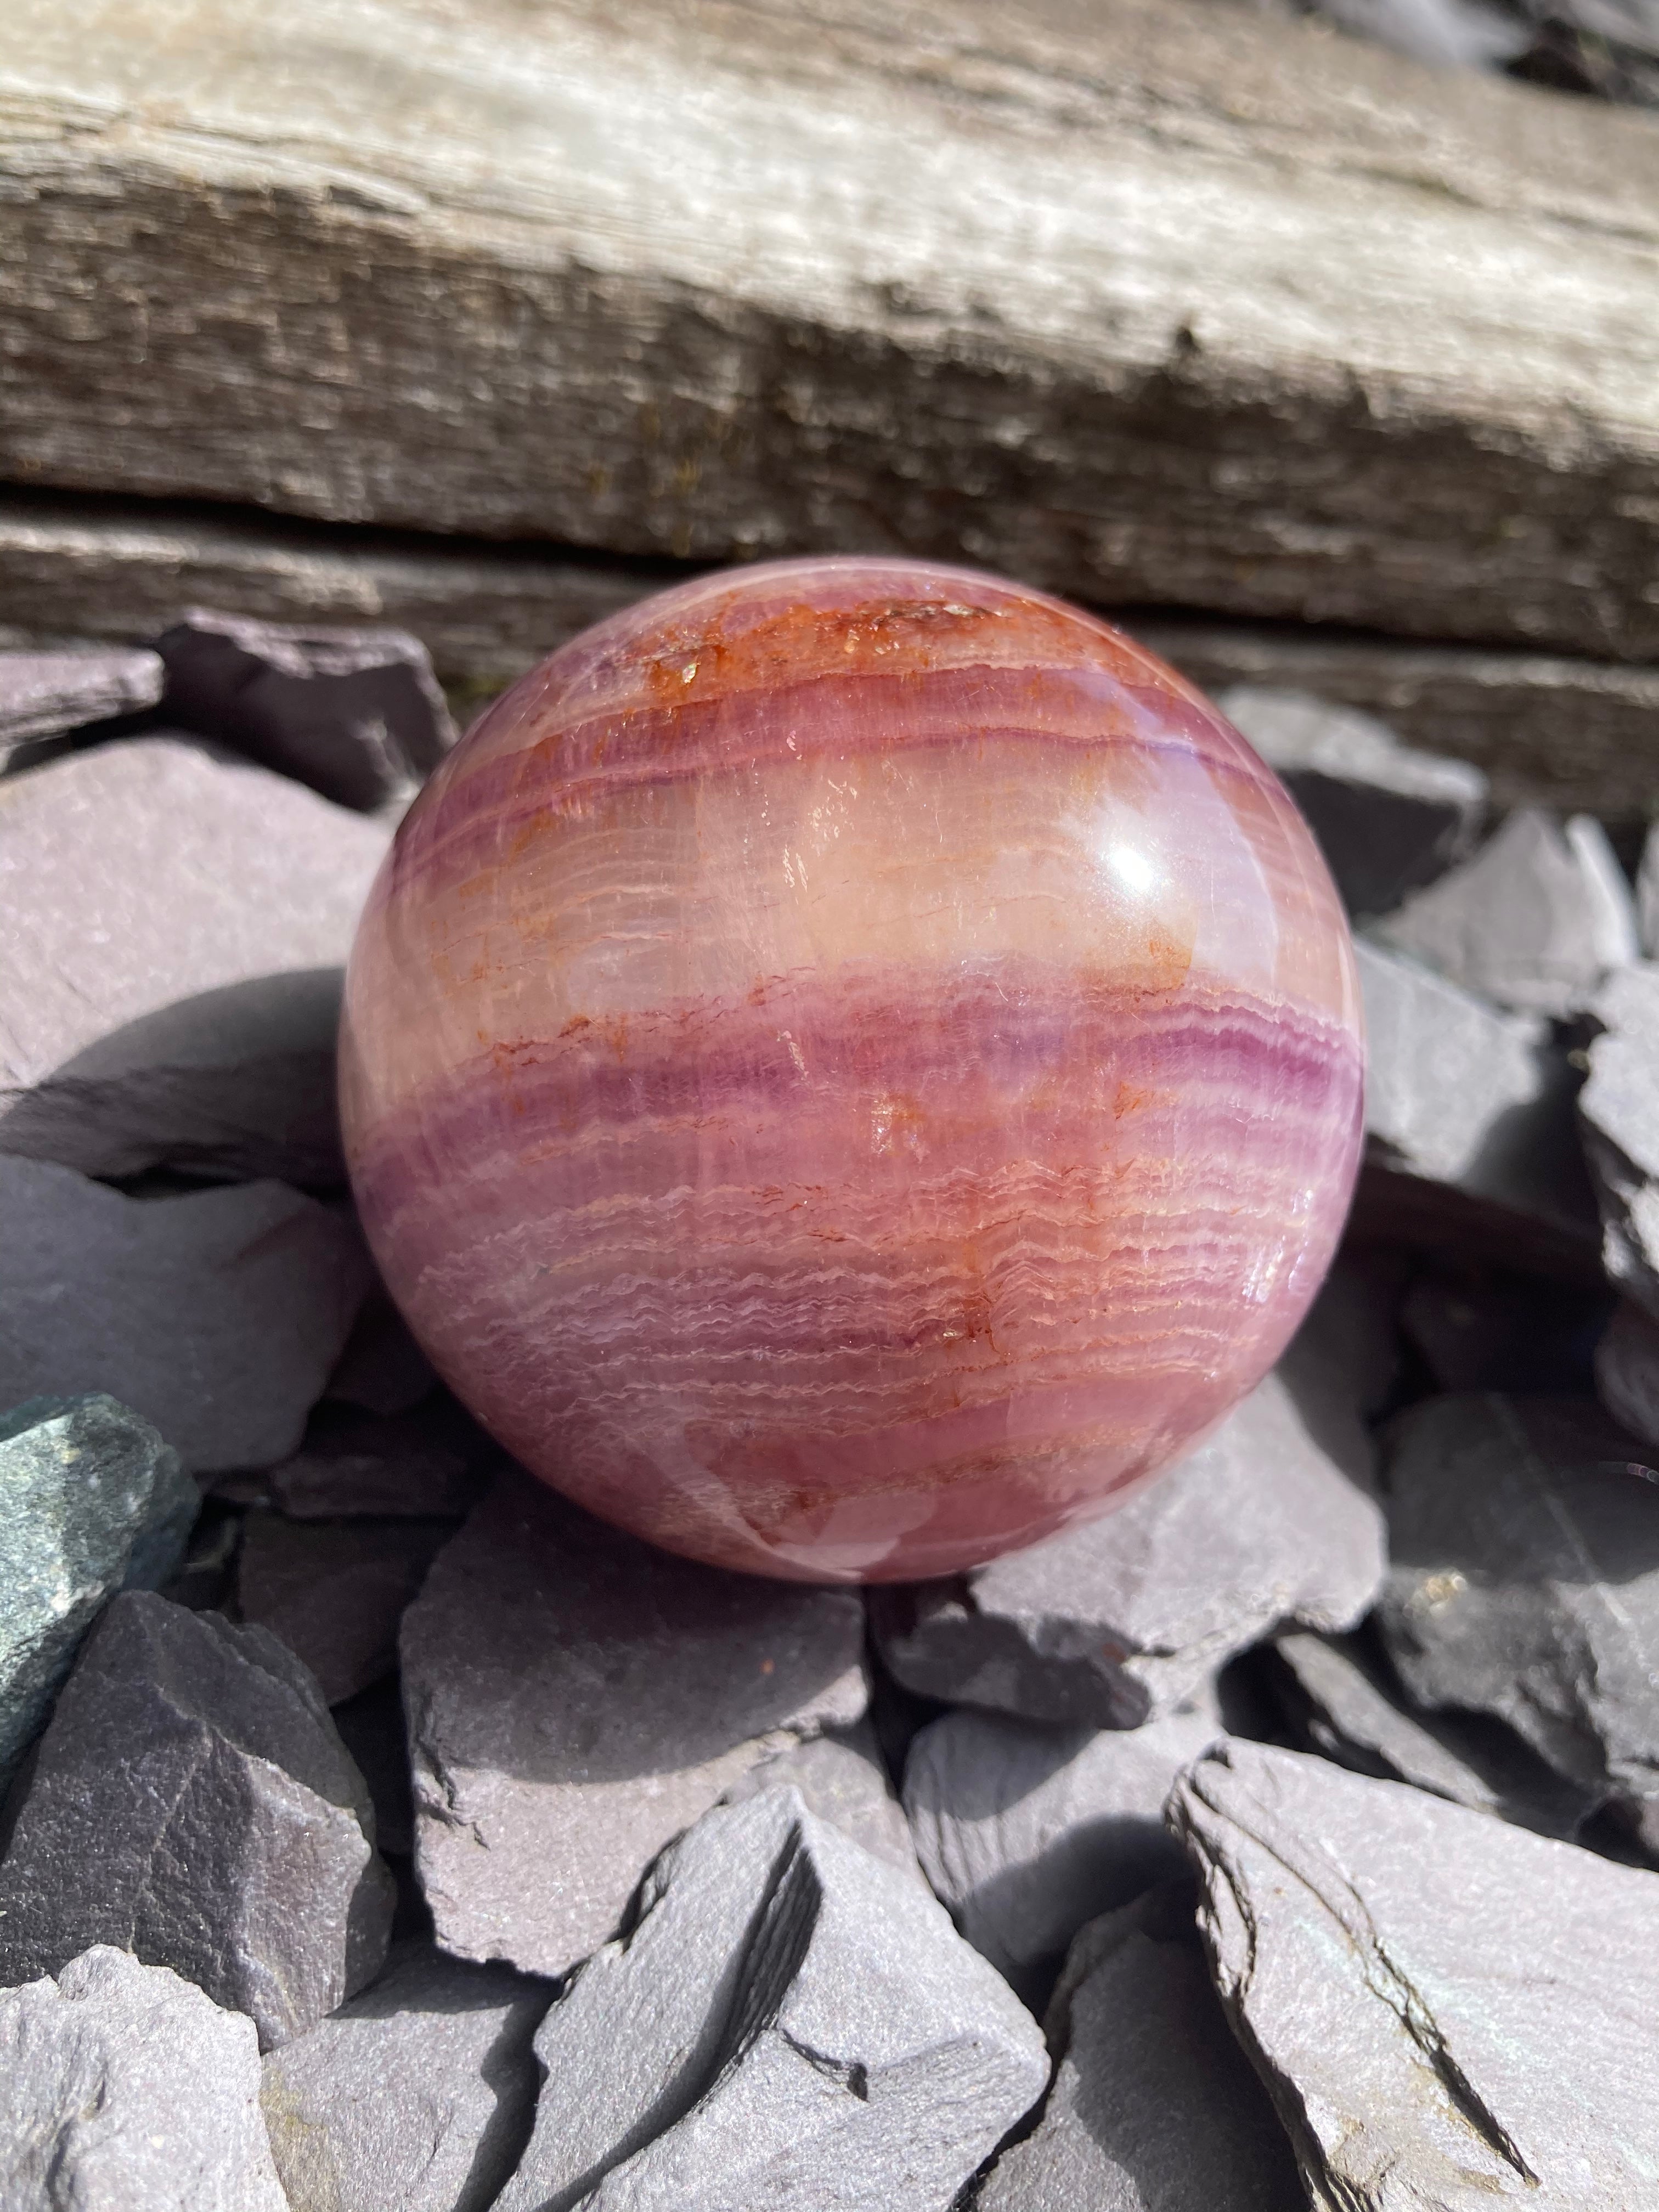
851	1065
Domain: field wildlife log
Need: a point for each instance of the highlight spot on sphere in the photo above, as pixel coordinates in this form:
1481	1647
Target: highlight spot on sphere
849	1067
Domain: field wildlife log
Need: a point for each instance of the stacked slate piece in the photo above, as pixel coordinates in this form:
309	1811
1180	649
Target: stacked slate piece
381	1832
1602	49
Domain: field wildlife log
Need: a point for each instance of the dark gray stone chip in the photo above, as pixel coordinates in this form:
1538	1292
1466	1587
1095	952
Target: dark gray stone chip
576	1698
1387	820
1154	2107
415	2096
126	2090
1449	2012
1524	1582
356	713
215	1314
92	1501
190	1802
1025	1832
177	924
788	2022
45	694
336	1591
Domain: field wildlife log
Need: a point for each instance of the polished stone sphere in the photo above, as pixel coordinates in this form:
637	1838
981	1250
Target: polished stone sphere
851	1065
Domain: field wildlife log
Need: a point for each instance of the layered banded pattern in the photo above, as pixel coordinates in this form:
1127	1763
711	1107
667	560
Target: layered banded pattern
850	1066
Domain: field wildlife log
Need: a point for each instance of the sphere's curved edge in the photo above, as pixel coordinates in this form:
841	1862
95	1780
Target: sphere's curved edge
821	1132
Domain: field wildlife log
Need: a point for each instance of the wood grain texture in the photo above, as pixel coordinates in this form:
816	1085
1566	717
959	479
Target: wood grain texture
75	571
1574	735
1141	301
1549	730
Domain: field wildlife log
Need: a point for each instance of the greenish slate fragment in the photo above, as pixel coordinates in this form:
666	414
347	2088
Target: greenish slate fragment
92	1501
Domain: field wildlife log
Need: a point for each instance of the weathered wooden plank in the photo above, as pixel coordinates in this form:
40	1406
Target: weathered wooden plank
1145	301
1549	730
76	571
1574	735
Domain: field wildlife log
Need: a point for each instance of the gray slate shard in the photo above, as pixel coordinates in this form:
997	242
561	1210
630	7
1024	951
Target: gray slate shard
1449	2012
190	1802
1627	1371
216	1315
1444	34
204	1578
1618	1107
1524	1582
1533	921
92	1501
416	2096
843	1779
382	1369
1471	1138
1606	48
176	926
1647	895
1387	820
435	1460
1154	2107
44	695
1482	1330
335	1591
1339	1701
356	713
576	1698
1268	1521
787	2024
1351	1337
127	2091
1026	1832
371	1727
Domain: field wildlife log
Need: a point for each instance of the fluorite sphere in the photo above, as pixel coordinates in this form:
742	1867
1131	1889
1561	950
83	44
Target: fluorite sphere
850	1066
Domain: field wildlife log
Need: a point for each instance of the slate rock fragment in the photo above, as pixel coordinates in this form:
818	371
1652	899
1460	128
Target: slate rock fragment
1647	895
176	927
356	713
1524	1582
382	1369
126	2090
1449	2012
1120	1621
433	1460
1618	1107
576	1698
335	1591
1485	1329
204	1579
92	1501
843	1779
1444	34
1627	1371
1339	1701
1607	49
190	1802
1348	1348
44	695
1471	1142
371	1727
1532	922
216	1315
1026	1832
1154	2107
788	2023
1387	820
416	2096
